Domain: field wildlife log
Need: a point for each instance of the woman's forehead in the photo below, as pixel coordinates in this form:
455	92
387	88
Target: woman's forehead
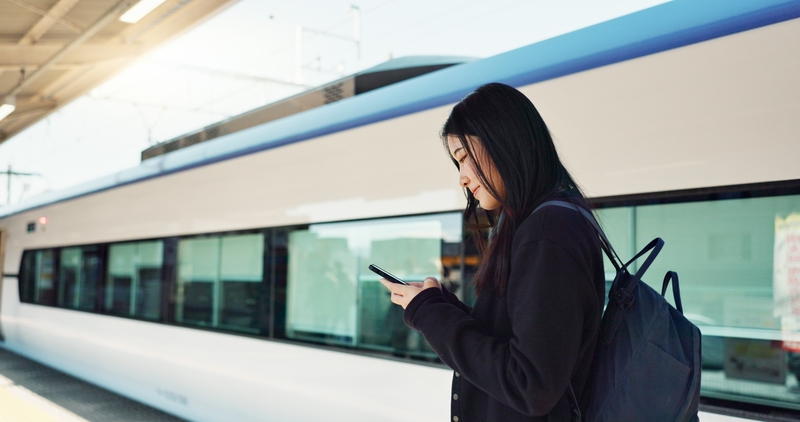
454	143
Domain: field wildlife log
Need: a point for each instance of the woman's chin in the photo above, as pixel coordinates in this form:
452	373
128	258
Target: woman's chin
489	205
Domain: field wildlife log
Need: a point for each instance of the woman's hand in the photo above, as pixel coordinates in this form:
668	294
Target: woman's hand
402	295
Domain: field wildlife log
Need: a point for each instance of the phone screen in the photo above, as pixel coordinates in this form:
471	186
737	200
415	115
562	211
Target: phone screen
385	274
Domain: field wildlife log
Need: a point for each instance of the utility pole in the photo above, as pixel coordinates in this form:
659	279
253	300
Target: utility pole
298	42
9	173
356	29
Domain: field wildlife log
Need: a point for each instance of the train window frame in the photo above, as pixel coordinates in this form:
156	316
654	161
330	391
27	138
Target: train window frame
357	342
135	278
262	329
272	323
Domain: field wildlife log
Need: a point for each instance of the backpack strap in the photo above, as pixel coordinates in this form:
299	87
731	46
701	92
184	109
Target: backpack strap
624	294
676	291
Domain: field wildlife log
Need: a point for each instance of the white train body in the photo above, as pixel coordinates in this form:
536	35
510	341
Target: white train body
716	112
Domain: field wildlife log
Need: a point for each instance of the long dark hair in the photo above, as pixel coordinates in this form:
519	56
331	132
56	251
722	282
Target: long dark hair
519	144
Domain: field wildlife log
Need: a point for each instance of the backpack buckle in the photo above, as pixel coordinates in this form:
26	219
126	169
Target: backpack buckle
624	299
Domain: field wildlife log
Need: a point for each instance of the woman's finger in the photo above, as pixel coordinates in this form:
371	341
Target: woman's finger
431	282
391	286
398	288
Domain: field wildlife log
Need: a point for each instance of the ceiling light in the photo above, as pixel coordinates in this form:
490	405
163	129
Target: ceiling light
7	107
140	10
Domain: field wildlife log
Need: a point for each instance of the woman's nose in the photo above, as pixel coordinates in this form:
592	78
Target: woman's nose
463	180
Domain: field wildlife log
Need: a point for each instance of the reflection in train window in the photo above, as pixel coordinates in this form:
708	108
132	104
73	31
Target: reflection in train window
37	278
133	284
739	267
220	281
79	277
332	297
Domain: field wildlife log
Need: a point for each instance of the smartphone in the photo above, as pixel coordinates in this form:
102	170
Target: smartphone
385	274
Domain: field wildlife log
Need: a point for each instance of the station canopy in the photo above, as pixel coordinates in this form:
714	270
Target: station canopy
54	51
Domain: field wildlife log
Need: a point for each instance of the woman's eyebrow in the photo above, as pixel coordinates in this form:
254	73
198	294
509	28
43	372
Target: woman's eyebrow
455	151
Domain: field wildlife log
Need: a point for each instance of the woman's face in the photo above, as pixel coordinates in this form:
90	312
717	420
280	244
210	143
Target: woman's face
468	174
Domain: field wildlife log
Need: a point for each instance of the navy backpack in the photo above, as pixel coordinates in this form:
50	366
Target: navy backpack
646	365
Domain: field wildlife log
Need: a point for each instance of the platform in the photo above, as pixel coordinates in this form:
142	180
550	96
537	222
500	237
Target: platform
32	392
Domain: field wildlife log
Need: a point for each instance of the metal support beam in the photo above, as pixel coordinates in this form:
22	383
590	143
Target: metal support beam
112	14
55	14
47	14
17	56
45	108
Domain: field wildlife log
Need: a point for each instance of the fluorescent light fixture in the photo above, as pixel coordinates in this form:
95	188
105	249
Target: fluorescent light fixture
140	10
8	107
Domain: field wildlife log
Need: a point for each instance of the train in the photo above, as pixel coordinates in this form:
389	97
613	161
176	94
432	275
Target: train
227	279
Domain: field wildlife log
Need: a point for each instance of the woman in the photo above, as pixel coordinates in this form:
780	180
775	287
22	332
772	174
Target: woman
540	285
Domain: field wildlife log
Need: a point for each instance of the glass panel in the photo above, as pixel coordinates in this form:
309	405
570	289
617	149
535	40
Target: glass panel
220	281
27	277
133	285
90	278
37	277
723	252
198	275
79	276
121	270
332	297
321	297
242	273
45	277
69	277
471	259
279	255
739	267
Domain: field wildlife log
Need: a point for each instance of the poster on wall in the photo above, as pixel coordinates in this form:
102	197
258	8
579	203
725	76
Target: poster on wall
786	278
755	360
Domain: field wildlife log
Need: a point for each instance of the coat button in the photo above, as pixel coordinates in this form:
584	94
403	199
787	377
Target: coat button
457	375
455	396
455	418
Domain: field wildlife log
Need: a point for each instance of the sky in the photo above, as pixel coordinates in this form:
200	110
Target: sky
247	56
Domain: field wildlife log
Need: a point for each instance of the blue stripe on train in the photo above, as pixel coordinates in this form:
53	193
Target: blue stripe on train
664	27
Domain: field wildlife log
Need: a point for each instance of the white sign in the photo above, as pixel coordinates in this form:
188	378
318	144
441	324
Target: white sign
786	273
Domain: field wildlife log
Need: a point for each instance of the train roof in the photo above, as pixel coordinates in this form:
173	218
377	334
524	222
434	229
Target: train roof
389	72
667	26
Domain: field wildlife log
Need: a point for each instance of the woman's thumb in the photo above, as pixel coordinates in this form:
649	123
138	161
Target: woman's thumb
431	282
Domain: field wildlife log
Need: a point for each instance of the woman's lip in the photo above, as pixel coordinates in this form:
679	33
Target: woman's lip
475	190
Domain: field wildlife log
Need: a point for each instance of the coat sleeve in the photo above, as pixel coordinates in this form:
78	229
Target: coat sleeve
455	301
548	296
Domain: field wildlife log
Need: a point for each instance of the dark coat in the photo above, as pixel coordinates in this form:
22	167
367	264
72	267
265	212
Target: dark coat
514	354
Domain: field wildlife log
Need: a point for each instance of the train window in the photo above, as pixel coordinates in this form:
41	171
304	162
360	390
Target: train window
220	281
37	277
79	277
241	281
133	282
332	297
739	267
27	277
